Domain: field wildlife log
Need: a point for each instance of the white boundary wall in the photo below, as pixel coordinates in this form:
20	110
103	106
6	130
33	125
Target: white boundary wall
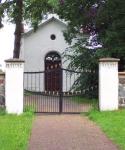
14	86
108	84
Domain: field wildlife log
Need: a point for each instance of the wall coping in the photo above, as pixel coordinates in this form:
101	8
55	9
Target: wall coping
14	60
109	60
2	73
121	73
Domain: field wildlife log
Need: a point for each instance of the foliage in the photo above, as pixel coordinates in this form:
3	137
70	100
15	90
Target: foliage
112	123
110	22
80	16
81	22
18	11
87	16
1	25
29	109
33	10
15	131
85	61
92	104
93	17
2	111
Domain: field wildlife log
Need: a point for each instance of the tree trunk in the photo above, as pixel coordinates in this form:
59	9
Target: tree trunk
1	25
18	28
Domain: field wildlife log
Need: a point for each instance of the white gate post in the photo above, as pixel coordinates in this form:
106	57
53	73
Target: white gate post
14	86
108	84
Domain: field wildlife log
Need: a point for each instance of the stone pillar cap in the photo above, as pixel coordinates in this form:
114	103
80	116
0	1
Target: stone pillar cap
14	60
109	60
121	73
2	73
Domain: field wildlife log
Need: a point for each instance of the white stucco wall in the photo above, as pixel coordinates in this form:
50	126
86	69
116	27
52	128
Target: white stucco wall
14	86
108	84
35	46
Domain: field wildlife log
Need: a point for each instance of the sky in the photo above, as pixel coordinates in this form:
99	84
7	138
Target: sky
6	43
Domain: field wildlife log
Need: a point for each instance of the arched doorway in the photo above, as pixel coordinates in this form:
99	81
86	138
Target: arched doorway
52	72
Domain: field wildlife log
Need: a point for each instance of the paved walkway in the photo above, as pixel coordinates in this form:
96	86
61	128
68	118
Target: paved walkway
67	132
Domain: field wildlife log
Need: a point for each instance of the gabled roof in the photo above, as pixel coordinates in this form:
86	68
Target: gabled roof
44	23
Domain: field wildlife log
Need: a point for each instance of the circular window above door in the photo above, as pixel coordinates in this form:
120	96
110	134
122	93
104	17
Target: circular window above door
53	36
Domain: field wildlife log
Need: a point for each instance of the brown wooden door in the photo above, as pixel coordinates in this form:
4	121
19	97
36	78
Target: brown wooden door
52	72
52	76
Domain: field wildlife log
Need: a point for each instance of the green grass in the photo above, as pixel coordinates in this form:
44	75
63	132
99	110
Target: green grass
28	93
112	123
83	100
15	131
86	101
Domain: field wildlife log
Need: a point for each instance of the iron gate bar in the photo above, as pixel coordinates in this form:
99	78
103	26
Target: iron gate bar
60	91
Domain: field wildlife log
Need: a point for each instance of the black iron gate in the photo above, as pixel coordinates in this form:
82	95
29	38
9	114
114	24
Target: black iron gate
42	95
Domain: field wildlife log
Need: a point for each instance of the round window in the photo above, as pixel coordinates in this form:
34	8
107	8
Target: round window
53	37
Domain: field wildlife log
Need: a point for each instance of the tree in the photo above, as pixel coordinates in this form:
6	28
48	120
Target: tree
93	17
80	16
1	25
111	22
18	18
97	16
18	11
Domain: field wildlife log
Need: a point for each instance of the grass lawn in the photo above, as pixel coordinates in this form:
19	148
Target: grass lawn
86	101
83	100
112	123
15	131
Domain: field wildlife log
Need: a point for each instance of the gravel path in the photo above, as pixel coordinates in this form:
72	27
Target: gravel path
67	132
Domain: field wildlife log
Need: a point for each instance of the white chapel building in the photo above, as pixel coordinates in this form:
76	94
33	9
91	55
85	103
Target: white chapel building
43	50
48	41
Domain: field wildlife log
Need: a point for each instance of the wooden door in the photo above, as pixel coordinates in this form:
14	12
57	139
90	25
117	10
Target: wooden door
52	75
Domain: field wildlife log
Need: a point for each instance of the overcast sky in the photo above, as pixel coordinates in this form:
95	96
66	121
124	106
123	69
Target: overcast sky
6	43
